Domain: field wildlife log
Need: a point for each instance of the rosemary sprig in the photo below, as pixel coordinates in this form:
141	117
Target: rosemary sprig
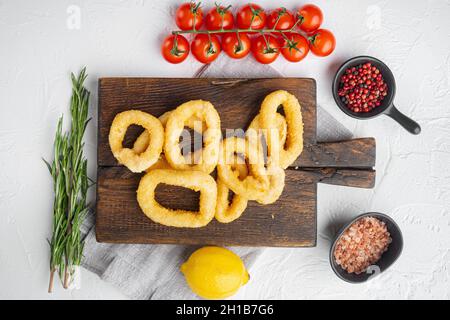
70	180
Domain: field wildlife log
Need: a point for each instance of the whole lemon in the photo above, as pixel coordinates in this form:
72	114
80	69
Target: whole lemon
214	272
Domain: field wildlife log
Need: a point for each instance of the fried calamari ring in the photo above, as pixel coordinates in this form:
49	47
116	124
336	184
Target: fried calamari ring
195	180
276	177
208	156
256	183
136	162
160	164
293	147
275	173
225	211
164	117
240	168
143	140
280	124
192	122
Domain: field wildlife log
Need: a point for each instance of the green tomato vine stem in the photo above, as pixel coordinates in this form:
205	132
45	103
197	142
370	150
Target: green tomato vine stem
263	32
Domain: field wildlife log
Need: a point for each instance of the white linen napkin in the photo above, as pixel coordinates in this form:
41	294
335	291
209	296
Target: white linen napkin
152	271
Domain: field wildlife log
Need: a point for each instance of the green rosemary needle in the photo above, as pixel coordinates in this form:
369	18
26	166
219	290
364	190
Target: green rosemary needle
70	183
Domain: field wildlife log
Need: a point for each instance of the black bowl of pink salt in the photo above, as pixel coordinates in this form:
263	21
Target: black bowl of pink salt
364	87
365	247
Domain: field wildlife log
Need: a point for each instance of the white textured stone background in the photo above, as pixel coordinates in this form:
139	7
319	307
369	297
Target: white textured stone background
122	38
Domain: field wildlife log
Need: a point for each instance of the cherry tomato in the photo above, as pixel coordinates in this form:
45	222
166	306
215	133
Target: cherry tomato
175	52
264	53
283	19
219	18
294	47
322	42
233	48
251	15
187	13
205	48
311	18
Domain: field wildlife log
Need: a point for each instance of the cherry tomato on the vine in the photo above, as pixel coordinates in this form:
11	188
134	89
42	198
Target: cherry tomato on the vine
205	48
265	48
251	15
233	47
175	48
322	42
294	47
311	18
280	19
219	18
189	16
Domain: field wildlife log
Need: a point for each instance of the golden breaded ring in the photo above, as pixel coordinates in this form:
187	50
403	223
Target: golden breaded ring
164	117
254	185
143	140
276	177
160	164
195	180
209	155
225	211
240	168
280	124
275	173
136	162
190	123
293	147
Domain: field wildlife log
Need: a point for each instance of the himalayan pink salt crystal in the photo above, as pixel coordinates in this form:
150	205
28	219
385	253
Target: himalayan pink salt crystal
362	245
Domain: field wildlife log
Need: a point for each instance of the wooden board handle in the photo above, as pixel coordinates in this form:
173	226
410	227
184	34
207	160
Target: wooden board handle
357	153
357	178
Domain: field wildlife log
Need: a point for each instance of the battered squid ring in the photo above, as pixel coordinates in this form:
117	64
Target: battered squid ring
136	162
143	140
293	147
276	177
191	122
195	180
280	125
160	164
275	173
225	211
254	185
208	156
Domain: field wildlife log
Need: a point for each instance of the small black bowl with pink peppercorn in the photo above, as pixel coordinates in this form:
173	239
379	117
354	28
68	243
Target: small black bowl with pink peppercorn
364	87
365	247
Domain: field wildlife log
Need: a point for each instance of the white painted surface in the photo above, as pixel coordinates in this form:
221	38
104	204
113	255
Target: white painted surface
122	38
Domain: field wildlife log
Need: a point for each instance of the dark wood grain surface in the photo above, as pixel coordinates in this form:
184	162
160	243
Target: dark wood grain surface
237	101
291	221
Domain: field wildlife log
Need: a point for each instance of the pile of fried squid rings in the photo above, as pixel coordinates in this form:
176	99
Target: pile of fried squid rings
250	167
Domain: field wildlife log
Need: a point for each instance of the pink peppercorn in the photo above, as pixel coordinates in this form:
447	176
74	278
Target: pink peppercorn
362	88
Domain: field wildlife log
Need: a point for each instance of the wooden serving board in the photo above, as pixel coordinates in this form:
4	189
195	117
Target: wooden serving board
289	222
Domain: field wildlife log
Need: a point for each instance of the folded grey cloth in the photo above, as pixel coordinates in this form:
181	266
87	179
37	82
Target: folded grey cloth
152	271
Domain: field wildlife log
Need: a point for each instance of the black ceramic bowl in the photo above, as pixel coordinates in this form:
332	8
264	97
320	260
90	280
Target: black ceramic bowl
387	105
386	260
